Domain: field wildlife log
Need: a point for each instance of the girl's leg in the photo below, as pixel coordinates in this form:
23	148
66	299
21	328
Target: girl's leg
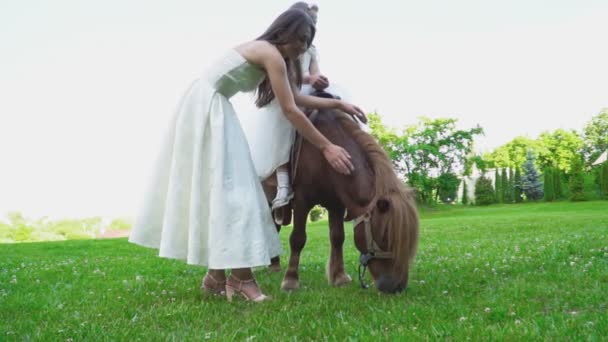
284	193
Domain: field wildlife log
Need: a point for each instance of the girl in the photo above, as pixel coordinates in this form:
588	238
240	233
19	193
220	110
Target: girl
270	133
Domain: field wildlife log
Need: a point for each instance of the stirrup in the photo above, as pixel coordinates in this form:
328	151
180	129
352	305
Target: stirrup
282	201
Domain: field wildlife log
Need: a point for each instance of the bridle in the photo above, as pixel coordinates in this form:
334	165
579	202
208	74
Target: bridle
373	250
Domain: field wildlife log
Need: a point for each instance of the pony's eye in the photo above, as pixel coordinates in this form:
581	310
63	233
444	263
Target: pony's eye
383	205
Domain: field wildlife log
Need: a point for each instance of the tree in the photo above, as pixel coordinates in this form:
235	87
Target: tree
549	185
425	151
484	192
517	188
557	184
576	182
558	149
465	196
504	184
512	154
530	180
509	191
497	186
595	136
604	181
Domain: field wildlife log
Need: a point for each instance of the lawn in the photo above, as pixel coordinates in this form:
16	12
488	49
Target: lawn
509	272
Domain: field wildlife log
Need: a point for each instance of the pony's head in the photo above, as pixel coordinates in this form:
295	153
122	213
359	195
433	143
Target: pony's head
386	234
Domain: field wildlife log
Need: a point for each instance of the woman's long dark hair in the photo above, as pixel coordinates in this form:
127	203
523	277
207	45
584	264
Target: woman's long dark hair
283	30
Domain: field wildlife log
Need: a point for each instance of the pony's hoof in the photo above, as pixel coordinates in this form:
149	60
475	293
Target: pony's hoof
274	268
341	280
290	285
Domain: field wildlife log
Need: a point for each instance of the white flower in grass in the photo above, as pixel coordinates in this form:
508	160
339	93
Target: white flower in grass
139	278
517	322
421	282
14	279
445	292
462	319
487	310
572	263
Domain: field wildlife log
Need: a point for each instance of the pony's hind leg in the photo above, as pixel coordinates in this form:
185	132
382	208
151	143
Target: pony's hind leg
335	267
297	240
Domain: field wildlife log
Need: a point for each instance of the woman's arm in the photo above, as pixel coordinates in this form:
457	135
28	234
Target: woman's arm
323	103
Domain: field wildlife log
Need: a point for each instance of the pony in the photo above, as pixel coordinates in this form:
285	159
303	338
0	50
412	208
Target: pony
386	225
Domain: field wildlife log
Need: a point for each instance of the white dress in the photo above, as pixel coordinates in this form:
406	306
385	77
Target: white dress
205	203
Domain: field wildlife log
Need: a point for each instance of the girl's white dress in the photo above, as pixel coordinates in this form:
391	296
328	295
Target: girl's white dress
205	203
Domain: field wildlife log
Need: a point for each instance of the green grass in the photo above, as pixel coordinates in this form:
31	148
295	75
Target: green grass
512	272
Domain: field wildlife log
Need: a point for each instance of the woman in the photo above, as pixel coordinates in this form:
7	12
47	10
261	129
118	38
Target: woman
206	204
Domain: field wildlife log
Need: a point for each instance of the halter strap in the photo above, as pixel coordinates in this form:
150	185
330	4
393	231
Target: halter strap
373	250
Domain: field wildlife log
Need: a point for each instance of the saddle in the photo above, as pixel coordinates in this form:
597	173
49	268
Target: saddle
297	144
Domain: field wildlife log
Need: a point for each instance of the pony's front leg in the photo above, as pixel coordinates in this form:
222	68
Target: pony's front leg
297	240
335	266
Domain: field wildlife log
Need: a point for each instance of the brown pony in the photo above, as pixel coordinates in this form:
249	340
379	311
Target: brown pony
386	220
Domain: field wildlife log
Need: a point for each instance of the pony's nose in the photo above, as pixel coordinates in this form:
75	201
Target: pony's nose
388	284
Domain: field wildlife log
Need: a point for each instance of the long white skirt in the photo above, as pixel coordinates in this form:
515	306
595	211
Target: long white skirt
205	203
270	136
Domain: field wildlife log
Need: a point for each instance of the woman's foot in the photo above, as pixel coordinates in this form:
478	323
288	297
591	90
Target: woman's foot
213	286
247	288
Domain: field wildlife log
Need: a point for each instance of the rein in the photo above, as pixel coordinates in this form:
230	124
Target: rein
373	250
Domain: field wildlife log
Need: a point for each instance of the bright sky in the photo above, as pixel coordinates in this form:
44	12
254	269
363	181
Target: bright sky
87	87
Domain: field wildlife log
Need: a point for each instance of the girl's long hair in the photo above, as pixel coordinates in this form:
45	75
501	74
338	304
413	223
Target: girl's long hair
283	30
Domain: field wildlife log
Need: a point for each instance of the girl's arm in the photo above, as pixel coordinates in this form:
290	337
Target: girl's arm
315	78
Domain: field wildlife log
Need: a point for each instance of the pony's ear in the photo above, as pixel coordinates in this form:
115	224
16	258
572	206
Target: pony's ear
383	205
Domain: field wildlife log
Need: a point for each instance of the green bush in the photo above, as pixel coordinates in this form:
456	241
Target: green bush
316	213
484	192
447	187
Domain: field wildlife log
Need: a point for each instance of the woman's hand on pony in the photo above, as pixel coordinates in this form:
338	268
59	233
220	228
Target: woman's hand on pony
338	158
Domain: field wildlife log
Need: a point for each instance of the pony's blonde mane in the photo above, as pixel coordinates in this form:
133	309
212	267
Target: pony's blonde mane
403	223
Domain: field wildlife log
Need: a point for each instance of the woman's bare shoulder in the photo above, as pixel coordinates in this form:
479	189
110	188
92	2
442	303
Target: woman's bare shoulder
258	52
